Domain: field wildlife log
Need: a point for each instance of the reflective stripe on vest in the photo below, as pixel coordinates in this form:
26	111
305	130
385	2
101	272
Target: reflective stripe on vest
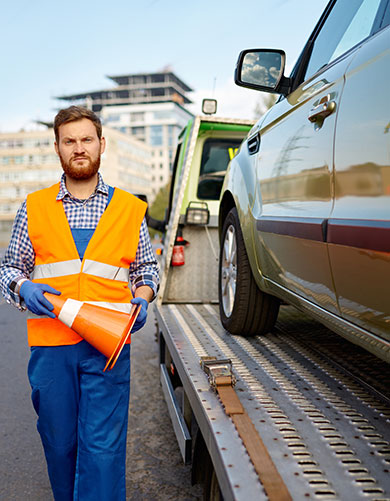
104	270
60	269
73	266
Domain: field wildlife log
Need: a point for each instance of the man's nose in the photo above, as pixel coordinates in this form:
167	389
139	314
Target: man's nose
79	147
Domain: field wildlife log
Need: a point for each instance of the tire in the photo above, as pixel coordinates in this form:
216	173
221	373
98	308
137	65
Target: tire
244	309
211	489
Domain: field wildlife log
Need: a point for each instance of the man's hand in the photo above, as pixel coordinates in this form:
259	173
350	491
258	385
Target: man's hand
32	293
141	319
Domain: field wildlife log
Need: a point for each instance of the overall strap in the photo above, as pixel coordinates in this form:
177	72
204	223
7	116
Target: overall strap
110	194
82	236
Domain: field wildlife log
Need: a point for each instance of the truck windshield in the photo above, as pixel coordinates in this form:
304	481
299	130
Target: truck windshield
216	155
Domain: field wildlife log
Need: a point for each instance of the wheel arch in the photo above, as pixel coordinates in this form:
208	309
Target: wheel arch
228	202
226	205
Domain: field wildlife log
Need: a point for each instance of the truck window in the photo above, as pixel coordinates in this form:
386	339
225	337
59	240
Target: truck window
216	155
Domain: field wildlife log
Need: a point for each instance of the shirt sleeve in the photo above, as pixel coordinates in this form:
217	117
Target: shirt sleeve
18	261
144	270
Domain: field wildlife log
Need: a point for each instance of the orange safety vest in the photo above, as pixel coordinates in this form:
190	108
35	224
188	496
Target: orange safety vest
101	278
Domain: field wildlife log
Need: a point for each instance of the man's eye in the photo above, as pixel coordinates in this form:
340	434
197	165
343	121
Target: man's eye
68	141
87	140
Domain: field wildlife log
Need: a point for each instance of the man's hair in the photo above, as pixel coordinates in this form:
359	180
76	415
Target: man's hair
74	113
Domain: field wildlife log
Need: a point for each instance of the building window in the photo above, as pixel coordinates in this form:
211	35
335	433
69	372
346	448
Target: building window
137	117
112	118
162	115
156	135
158	92
158	78
137	80
122	94
138	131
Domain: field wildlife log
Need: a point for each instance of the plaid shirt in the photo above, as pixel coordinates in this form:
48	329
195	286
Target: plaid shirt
19	258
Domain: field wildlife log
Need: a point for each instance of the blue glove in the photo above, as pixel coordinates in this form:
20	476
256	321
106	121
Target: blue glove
141	319
32	293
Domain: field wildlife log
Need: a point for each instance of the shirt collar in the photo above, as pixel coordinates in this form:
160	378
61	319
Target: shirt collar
63	192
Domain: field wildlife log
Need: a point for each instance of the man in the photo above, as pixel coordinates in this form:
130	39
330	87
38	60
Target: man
84	240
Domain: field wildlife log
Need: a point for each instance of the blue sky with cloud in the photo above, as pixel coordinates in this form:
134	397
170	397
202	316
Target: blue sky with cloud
55	48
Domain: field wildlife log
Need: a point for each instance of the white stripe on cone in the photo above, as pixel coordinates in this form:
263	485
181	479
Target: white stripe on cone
70	311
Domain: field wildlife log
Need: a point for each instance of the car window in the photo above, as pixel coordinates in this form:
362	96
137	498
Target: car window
216	155
349	22
386	16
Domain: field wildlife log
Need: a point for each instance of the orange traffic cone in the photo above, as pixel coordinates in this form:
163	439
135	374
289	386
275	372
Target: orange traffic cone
106	330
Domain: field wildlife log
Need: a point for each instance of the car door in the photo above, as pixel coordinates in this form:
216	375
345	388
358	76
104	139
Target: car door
359	227
294	166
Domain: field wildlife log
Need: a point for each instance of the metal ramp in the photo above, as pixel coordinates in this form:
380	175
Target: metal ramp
327	433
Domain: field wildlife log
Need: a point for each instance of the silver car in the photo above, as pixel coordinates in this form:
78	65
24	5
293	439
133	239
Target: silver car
305	205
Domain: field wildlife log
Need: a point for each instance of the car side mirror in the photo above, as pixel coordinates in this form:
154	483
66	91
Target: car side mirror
262	69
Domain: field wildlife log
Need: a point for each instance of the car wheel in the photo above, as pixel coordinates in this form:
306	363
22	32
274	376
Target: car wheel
244	309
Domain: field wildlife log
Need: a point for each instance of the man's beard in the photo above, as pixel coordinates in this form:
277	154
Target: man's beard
80	172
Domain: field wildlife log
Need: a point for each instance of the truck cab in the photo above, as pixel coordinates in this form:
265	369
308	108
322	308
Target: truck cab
205	147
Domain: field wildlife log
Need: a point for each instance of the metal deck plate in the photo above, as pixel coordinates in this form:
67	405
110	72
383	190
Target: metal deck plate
327	434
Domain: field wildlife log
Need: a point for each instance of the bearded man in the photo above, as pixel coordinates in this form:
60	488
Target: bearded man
85	240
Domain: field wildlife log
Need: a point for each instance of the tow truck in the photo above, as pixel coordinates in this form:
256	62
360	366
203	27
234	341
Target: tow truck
263	418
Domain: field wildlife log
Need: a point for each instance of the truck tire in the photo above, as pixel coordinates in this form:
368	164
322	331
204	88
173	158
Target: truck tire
211	489
244	309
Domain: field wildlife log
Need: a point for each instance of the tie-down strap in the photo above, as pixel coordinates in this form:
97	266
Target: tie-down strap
222	380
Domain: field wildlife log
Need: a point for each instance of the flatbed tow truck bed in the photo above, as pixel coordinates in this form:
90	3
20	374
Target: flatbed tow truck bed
319	404
325	426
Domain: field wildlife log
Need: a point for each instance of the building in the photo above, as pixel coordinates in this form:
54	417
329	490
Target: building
144	88
28	163
150	107
158	125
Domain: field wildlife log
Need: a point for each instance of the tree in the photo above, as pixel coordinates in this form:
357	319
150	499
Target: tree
158	207
264	103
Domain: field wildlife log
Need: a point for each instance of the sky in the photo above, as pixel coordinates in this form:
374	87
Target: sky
49	49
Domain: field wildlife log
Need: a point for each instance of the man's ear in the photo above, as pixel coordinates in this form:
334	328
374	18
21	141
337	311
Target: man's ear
56	148
102	144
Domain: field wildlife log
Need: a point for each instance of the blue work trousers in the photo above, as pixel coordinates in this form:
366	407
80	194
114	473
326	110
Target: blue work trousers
82	420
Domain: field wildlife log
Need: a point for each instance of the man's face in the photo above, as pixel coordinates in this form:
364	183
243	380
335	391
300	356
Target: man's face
79	149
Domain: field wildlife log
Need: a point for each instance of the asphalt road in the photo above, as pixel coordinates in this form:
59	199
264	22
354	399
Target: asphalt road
154	466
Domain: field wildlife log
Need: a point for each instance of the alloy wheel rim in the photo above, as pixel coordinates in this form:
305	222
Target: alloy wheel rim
229	270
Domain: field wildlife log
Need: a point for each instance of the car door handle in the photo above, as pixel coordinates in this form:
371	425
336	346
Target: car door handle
325	108
254	143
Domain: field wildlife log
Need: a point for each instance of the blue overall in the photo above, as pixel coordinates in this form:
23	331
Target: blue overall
82	415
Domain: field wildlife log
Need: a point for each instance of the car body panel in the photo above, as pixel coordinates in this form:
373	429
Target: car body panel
239	190
359	228
313	197
294	171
